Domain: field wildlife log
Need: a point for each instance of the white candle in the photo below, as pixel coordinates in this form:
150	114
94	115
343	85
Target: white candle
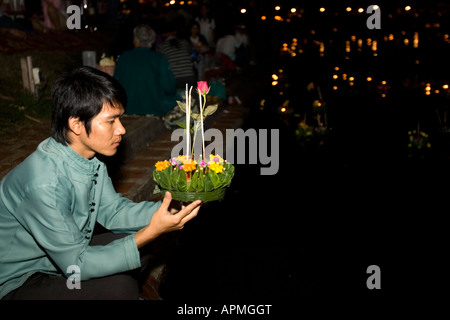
187	121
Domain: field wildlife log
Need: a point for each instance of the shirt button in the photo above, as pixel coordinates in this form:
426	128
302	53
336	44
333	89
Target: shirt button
87	237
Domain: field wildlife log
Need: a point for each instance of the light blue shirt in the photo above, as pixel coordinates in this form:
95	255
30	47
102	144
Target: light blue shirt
49	205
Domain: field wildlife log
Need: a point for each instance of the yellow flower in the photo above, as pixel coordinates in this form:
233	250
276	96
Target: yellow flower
161	165
217	168
182	159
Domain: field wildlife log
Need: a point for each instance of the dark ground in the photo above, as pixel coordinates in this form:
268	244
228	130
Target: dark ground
313	229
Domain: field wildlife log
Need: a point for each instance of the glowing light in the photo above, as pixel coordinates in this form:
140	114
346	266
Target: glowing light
427	93
322	9
351	79
374	45
335	76
243	10
383	95
383	82
293	10
360	10
445	86
274	77
172	2
322	47
263	18
391	37
369	79
407	8
344	76
277	8
375	7
278	18
335	87
283	109
348	9
436	91
406	41
274	83
351	84
416	40
347	46
336	68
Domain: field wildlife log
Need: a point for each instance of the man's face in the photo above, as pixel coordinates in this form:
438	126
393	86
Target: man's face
105	136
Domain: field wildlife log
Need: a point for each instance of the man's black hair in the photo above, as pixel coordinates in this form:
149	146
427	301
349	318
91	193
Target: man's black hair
82	94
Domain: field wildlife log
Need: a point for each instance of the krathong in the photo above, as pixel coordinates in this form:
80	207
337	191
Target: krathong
191	177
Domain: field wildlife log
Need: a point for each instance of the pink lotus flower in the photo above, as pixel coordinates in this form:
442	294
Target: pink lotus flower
202	87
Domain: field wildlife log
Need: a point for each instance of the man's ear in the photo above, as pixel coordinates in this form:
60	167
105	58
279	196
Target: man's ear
75	125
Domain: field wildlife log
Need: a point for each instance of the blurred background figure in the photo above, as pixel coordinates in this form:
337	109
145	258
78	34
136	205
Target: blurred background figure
207	24
146	76
199	50
55	16
178	53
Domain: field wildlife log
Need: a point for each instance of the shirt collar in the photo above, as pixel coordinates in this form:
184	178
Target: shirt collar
78	162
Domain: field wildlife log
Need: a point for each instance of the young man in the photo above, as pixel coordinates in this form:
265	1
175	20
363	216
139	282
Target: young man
50	203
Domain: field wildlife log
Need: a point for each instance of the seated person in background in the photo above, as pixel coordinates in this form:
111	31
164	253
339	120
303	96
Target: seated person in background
178	53
199	50
146	76
51	202
227	43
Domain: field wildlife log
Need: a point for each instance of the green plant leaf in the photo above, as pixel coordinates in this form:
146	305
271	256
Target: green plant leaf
208	183
201	182
163	178
181	181
214	179
209	110
195	116
182	106
192	183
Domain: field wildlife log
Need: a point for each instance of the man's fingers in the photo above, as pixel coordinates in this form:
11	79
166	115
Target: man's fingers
188	209
166	201
190	216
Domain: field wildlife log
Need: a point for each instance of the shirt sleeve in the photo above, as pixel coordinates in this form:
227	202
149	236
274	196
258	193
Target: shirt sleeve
122	215
46	213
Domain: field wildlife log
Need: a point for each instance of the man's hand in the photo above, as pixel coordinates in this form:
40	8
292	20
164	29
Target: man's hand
164	220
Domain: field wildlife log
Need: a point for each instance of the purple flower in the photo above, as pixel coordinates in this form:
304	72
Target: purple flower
173	162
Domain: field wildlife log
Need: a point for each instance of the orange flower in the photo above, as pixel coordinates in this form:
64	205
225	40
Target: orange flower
190	166
161	165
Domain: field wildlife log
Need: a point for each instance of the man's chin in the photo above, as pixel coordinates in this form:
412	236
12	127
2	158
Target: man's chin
108	153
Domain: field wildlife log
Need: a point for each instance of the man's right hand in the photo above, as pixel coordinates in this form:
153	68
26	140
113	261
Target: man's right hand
165	220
